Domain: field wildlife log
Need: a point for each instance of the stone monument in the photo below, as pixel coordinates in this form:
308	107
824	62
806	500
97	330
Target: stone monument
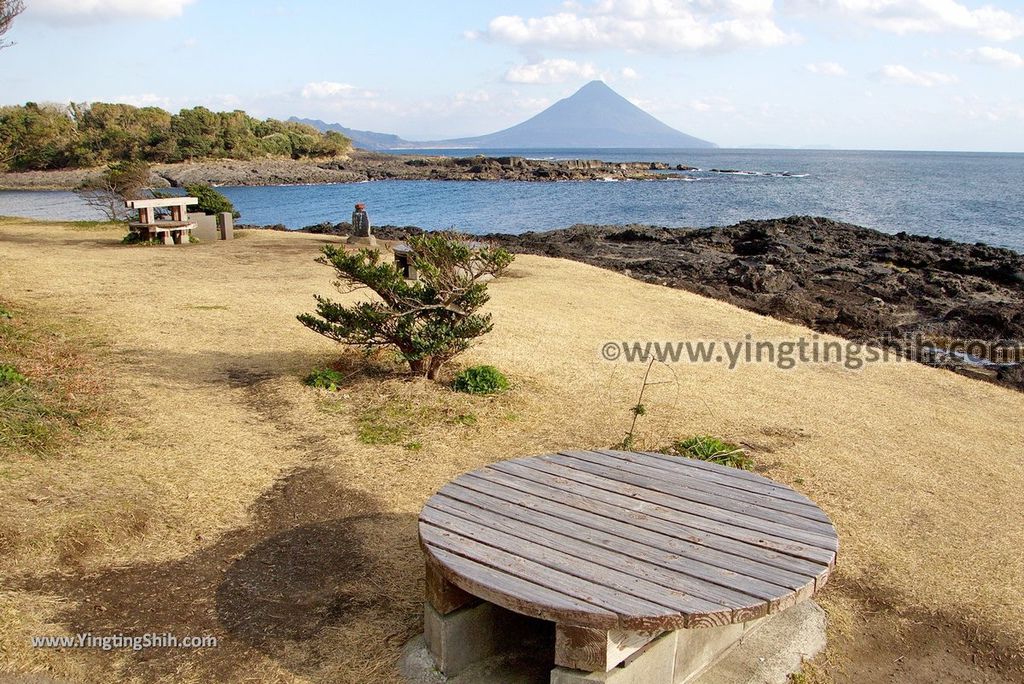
361	232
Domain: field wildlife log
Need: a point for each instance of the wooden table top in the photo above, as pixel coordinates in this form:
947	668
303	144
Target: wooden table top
613	539
162	225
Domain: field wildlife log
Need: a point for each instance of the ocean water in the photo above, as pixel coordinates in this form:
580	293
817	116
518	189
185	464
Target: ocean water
970	197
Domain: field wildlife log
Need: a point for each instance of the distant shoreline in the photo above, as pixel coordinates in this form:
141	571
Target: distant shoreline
357	167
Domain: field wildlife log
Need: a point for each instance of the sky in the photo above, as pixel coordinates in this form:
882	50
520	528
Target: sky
851	74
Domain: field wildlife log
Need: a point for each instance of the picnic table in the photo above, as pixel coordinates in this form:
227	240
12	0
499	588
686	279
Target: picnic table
621	551
177	230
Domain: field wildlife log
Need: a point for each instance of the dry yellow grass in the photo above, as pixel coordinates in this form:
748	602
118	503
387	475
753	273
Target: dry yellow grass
228	498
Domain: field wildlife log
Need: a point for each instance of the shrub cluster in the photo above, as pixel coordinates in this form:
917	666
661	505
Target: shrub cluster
706	448
326	379
481	380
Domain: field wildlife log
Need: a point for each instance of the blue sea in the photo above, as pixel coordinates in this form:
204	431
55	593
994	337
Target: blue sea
969	197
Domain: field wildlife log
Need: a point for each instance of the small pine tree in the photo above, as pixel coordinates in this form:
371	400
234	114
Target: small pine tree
428	321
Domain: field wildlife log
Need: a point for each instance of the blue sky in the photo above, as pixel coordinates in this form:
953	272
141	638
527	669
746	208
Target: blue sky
863	74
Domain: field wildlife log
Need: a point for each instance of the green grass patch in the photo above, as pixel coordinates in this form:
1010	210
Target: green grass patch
414	417
713	450
9	375
481	380
325	379
386	424
47	390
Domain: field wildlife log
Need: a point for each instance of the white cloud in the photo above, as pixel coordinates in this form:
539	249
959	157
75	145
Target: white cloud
897	74
996	56
145	100
629	73
919	16
218	103
993	112
472	97
550	71
659	26
78	10
826	69
712	103
323	90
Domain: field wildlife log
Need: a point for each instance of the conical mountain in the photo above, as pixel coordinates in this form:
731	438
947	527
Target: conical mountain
594	116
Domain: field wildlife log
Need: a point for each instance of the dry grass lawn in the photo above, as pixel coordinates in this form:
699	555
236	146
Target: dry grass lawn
221	496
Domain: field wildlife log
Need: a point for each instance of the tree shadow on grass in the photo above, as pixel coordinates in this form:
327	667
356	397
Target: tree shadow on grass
318	561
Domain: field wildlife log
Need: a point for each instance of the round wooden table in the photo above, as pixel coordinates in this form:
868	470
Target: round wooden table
612	540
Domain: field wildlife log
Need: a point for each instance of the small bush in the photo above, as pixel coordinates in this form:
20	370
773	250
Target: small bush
9	375
4	313
714	450
135	238
326	379
481	380
210	200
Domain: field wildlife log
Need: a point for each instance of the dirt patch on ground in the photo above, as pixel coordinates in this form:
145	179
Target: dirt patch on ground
314	561
882	644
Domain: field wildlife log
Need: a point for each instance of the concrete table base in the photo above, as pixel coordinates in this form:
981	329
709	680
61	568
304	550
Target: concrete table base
485	643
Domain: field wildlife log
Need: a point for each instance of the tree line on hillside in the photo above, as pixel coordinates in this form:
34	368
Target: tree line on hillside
48	136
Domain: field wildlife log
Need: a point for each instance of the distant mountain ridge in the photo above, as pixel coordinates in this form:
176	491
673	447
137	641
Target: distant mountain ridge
595	116
366	140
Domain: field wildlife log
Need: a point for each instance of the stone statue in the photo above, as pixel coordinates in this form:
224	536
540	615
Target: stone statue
361	222
361	234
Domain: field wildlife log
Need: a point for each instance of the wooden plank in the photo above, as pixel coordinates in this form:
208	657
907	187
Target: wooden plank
444	596
517	594
731	477
620	588
634	511
631	612
597	650
709	482
161	202
729	589
679	554
735	473
648	478
608	479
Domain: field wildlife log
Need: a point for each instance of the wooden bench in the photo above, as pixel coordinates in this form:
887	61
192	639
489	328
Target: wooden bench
624	552
177	230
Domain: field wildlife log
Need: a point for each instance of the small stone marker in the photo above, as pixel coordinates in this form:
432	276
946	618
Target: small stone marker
361	232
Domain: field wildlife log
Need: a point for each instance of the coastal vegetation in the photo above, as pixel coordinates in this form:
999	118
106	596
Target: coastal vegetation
38	136
211	201
120	181
427	321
